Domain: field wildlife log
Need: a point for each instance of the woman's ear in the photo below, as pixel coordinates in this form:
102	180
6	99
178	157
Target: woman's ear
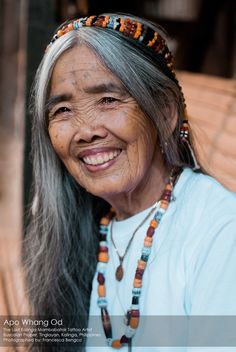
171	115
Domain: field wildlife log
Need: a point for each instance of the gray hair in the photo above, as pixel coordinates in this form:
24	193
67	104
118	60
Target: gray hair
59	251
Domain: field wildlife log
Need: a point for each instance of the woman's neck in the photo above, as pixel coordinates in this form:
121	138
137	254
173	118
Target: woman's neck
144	196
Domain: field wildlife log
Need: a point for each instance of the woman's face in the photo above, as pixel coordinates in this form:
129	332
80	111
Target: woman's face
97	129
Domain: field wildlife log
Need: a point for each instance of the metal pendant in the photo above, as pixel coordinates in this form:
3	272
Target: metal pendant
119	273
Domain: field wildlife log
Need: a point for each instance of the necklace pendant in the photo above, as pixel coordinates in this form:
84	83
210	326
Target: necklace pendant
119	273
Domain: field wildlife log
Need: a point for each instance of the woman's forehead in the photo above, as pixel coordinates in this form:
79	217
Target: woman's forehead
80	67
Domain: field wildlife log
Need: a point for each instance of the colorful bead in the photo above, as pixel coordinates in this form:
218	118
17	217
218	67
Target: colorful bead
134	313
129	332
142	264
89	21
124	339
101	267
137	283
100	278
153	224
103	257
150	231
102	302
136	291
158	216
138	31
103	249
105	22
146	251
104	221
60	33
103	243
139	273
164	204
116	23
134	322
135	300
101	291
169	187
110	23
102	236
116	344
144	257
122	25
103	229
70	26
148	241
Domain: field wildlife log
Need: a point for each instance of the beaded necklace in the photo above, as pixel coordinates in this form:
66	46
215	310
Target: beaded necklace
133	315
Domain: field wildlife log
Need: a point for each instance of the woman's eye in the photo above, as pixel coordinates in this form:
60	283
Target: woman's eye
61	110
108	100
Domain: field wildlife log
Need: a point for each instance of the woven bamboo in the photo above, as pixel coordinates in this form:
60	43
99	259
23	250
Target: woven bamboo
211	103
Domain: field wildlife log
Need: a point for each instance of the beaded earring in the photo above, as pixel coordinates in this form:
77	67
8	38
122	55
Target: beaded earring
188	150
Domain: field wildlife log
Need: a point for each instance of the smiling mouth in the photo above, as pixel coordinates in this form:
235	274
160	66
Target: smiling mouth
101	158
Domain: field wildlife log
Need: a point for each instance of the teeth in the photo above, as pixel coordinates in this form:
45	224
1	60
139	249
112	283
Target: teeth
100	159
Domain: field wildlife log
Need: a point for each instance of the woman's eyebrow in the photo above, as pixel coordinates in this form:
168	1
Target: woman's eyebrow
105	88
55	99
95	89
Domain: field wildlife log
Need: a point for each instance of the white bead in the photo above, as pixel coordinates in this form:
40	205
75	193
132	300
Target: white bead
130	332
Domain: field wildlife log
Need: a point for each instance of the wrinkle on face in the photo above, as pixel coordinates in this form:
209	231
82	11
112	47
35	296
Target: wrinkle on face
84	119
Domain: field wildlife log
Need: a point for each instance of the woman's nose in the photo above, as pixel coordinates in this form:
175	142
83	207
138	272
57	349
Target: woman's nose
87	133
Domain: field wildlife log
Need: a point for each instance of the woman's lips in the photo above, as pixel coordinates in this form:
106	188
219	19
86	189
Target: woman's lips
99	158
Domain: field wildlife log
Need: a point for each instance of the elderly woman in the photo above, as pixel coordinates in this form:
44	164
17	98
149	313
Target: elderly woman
121	223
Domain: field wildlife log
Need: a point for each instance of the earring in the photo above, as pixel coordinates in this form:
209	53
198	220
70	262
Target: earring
184	130
190	155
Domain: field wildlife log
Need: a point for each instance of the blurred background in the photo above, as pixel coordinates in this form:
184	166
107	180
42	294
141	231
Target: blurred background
203	40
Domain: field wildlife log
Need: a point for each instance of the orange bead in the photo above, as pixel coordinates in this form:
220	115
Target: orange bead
148	241
164	204
168	187
101	291
70	26
104	221
116	344
60	33
134	321
106	19
122	25
154	223
103	257
138	30
137	283
142	264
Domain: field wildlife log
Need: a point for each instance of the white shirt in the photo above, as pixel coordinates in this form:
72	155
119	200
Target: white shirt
191	270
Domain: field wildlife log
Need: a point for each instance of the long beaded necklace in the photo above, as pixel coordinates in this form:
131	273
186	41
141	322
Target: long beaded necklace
133	314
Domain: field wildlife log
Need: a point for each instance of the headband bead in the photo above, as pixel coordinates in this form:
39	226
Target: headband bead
128	27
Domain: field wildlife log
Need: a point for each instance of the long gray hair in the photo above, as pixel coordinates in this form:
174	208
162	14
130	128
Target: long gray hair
59	251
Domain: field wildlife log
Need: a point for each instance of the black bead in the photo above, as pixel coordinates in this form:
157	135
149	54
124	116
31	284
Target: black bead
135	300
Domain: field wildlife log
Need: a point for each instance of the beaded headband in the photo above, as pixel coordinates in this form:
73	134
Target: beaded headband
128	27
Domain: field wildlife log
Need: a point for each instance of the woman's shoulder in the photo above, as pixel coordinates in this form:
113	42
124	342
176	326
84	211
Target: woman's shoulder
203	206
199	189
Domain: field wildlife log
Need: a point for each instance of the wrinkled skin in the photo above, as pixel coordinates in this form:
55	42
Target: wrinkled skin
92	117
